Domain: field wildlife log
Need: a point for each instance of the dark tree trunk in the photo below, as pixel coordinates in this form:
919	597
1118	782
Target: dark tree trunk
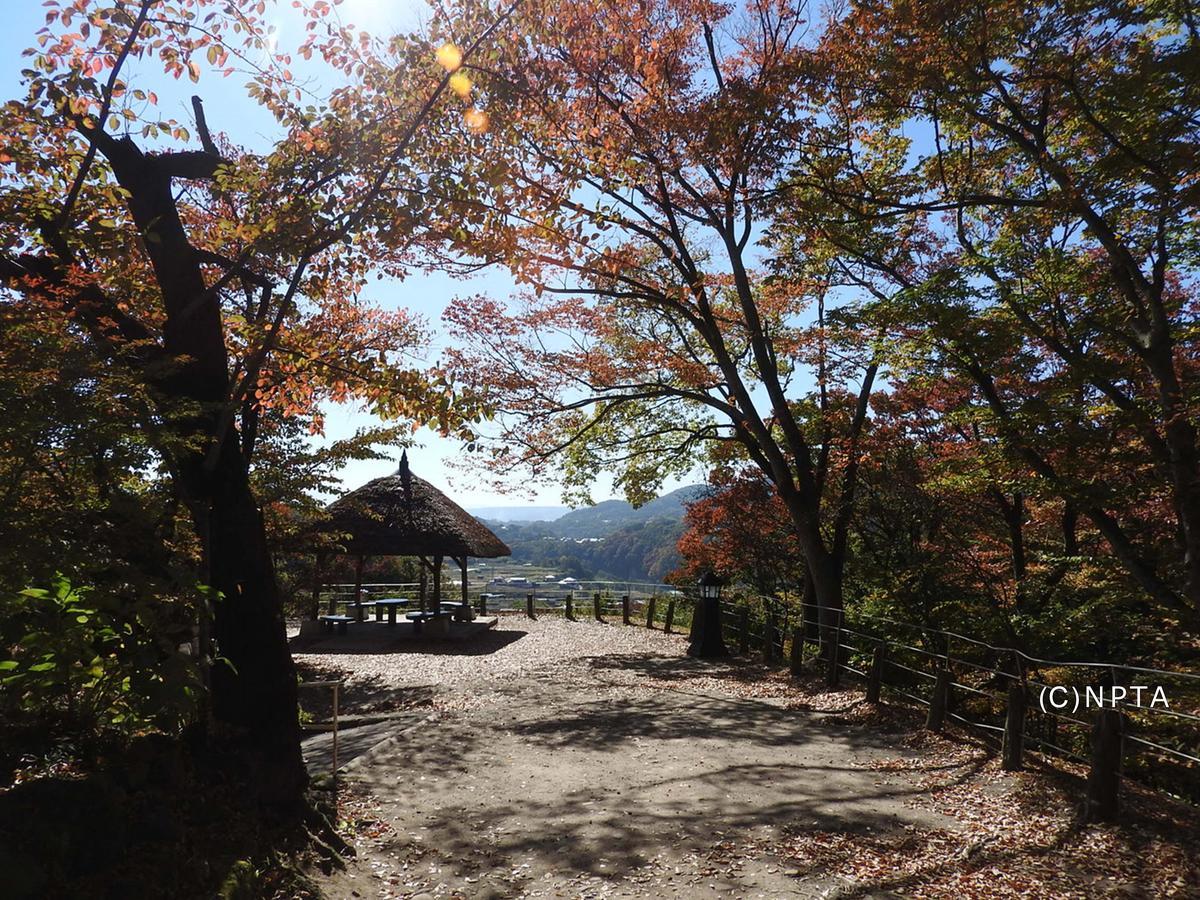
1070	524
809	606
254	700
253	681
1013	514
825	571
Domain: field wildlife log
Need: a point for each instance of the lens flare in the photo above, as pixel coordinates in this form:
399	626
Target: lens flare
449	57
476	119
460	83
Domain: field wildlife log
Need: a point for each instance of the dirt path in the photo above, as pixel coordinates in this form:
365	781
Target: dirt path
583	760
577	781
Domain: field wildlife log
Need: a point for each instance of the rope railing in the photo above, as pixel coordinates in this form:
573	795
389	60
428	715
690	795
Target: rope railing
509	594
1192	676
971	681
552	596
628	603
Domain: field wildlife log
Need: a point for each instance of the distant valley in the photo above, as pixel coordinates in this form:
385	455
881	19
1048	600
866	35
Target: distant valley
608	540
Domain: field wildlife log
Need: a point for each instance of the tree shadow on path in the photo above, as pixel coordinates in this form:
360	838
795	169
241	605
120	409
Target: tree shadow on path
384	642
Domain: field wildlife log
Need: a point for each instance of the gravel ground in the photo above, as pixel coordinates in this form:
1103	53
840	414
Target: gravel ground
516	646
460	675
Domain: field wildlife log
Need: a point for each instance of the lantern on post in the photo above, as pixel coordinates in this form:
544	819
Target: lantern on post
706	638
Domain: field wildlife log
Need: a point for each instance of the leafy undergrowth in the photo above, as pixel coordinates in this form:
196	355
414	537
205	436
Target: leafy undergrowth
1019	835
30	750
150	820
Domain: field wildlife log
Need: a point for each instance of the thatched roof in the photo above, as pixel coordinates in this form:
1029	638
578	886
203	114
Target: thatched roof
403	515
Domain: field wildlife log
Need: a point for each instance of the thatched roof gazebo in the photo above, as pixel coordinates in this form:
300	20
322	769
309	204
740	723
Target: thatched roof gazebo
403	515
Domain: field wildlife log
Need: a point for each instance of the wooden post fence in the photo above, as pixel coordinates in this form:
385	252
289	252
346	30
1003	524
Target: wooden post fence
797	656
875	675
650	612
1014	728
744	630
1050	730
625	610
833	657
939	700
570	607
670	617
1102	802
529	612
596	607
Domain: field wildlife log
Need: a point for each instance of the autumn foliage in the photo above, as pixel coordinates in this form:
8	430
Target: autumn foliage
914	284
924	269
741	530
202	300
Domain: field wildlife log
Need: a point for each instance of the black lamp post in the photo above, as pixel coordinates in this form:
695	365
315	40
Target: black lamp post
706	639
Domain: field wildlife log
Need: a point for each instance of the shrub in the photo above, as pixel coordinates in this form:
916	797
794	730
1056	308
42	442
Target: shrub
96	659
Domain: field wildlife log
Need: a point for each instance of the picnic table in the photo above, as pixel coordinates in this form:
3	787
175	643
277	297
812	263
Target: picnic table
462	612
425	616
391	604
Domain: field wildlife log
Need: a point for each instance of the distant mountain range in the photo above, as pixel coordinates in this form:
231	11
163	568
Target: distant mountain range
593	521
613	515
519	513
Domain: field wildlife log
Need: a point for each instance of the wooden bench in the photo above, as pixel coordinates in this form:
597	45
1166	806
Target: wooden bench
332	621
352	607
420	618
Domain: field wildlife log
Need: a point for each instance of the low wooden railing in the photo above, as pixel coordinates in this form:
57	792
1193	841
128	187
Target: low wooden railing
1001	692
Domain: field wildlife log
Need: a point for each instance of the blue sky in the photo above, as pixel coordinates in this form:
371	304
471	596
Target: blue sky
229	110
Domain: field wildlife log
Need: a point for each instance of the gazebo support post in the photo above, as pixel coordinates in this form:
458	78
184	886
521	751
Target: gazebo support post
358	613
424	563
466	603
437	583
318	571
